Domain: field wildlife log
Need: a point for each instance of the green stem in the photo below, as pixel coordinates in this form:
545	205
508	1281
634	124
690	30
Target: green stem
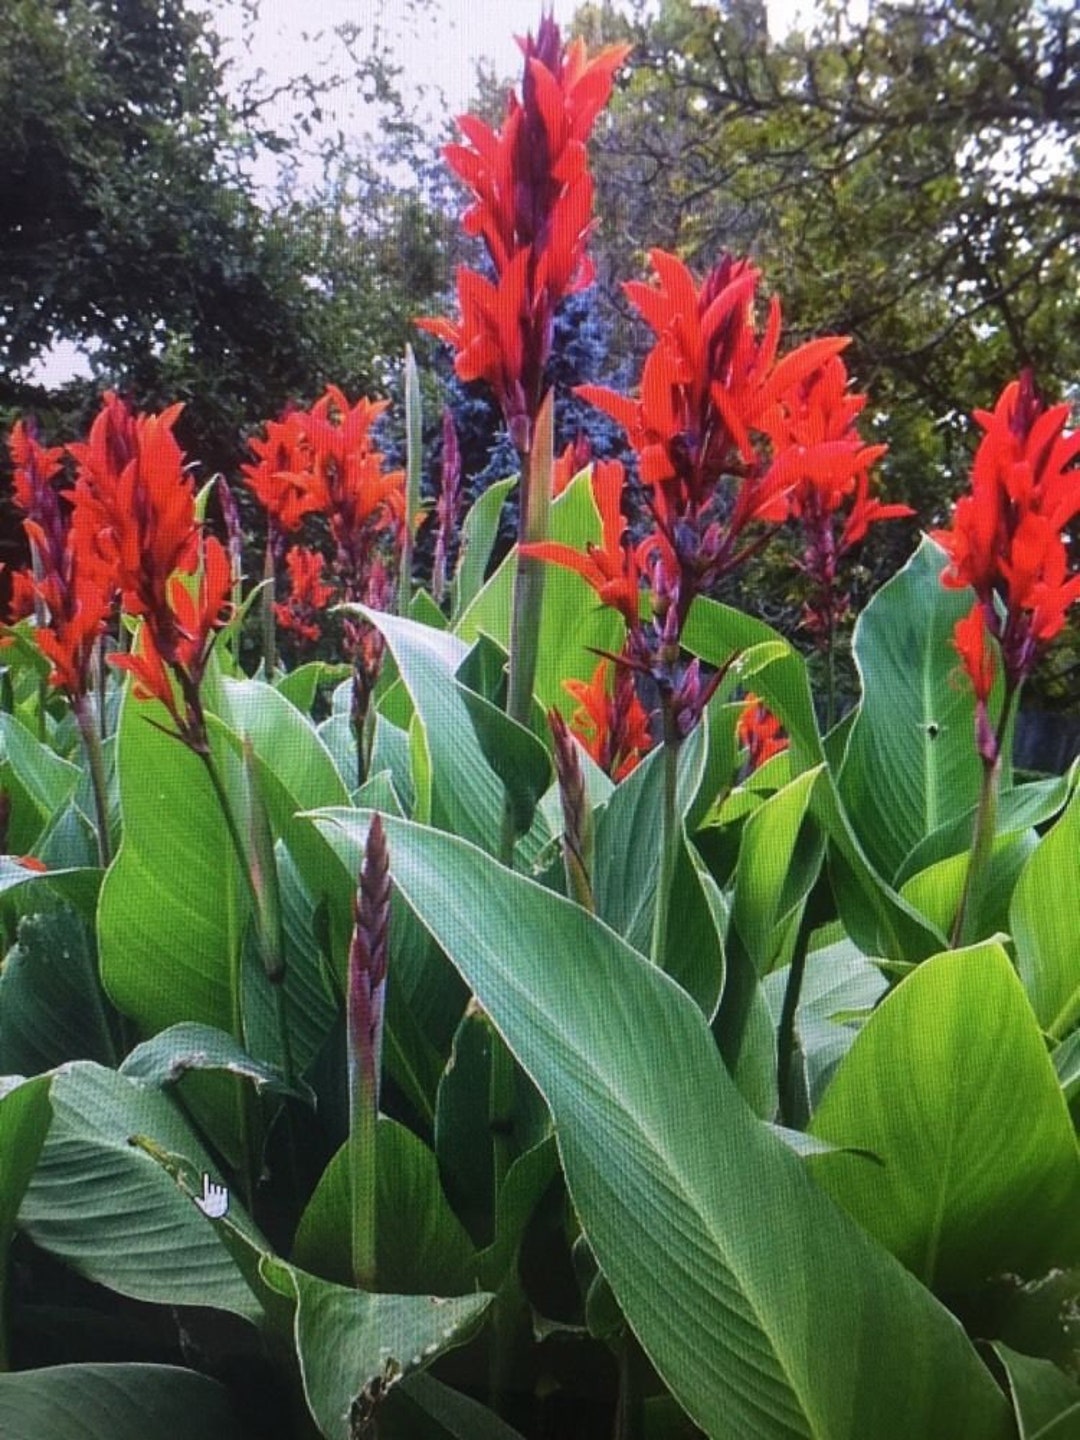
91	739
363	1173
414	449
528	600
629	1409
669	833
785	1037
269	631
830	674
982	840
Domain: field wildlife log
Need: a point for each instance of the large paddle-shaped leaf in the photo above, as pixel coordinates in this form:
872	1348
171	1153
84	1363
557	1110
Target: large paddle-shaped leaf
911	762
24	1119
950	1086
1046	950
114	1402
766	1310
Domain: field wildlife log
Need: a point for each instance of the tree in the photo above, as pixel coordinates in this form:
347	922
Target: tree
908	179
130	223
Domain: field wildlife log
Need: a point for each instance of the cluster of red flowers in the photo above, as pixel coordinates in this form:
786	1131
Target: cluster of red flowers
533	197
124	533
323	461
759	733
727	434
1006	541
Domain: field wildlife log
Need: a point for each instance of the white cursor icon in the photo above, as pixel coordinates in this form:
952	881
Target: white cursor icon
214	1201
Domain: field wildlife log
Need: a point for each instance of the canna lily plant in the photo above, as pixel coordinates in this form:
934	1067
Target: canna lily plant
538	1023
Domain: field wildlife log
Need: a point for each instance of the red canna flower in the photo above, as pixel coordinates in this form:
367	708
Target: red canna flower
308	592
613	727
175	643
67	589
758	731
570	463
532	207
280	477
814	435
1006	535
712	391
133	504
611	567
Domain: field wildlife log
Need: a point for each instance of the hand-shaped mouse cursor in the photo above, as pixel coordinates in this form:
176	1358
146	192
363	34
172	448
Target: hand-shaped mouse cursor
214	1201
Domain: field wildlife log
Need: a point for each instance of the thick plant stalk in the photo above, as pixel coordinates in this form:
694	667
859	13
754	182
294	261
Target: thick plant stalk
269	628
266	897
91	739
414	446
368	957
669	832
982	840
536	467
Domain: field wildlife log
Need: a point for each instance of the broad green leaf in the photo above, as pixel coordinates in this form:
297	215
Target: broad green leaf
48	779
936	892
422	1408
950	1084
24	1119
838	981
574	623
354	1346
911	762
1018	809
172	1053
1042	919
107	1209
779	860
115	1402
421	1246
51	1005
716	632
79	886
514	753
172	910
879	921
1047	1402
754	1296
478	532
300	686
1042	1317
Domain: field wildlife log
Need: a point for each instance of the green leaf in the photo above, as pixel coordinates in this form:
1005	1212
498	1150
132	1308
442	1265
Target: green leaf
716	632
1047	1402
24	1119
300	686
911	761
172	1053
478	532
421	1408
950	1084
573	624
48	779
779	860
515	755
1045	933
421	1246
353	1346
114	1402
51	1005
937	891
172	909
754	1296
1018	809
108	1210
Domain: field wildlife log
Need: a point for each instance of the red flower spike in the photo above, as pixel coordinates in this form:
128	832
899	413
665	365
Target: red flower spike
279	477
759	732
1006	540
613	728
611	567
532	208
134	505
308	593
